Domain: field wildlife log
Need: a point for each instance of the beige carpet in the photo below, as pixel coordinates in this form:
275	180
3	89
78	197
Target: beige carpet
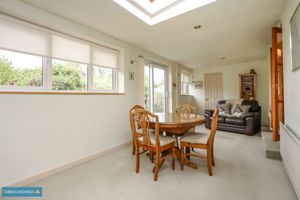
242	173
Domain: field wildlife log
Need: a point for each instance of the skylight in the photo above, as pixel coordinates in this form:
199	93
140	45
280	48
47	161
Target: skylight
156	11
155	6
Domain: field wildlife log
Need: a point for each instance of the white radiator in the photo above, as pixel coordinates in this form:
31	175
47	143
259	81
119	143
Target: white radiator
290	153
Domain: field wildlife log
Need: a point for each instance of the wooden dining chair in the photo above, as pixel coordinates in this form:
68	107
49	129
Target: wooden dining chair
198	140
133	110
185	110
162	146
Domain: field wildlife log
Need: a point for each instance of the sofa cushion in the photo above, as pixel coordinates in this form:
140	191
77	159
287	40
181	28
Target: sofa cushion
221	119
224	109
235	120
233	103
253	103
240	110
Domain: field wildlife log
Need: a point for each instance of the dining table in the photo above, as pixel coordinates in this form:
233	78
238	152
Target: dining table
177	125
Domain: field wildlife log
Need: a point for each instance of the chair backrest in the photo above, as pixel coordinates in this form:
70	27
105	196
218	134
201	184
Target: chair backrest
185	110
141	127
214	125
132	111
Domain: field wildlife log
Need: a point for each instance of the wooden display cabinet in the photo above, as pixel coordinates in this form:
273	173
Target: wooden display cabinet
248	86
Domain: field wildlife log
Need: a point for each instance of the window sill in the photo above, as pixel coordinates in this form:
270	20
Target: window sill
186	95
61	93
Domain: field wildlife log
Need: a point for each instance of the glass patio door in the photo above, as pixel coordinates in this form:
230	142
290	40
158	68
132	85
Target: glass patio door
156	88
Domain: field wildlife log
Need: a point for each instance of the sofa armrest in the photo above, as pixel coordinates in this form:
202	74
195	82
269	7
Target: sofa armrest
252	114
250	126
253	123
209	113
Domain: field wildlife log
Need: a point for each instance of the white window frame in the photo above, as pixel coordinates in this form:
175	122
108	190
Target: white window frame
28	88
187	89
185	84
47	71
152	65
91	75
51	74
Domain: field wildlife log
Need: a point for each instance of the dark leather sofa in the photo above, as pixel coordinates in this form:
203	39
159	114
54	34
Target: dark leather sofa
249	123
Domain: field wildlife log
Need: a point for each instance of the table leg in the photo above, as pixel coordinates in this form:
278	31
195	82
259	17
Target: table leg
190	164
187	160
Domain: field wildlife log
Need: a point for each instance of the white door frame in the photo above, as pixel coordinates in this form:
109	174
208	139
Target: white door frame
152	65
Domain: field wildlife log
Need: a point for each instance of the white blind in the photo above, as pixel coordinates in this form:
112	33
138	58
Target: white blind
22	38
69	49
28	39
104	57
185	77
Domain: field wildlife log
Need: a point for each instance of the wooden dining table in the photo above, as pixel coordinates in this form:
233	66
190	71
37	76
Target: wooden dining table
176	125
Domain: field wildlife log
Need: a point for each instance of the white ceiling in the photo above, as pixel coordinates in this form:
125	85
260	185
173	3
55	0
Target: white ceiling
239	30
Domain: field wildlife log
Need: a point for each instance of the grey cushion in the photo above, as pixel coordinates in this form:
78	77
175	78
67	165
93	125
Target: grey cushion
241	110
163	139
224	109
195	137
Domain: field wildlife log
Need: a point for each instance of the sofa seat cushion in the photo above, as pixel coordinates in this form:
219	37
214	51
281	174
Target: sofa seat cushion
221	119
235	120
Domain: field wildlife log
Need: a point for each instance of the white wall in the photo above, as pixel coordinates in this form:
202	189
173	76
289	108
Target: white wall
290	137
41	132
231	83
290	151
291	78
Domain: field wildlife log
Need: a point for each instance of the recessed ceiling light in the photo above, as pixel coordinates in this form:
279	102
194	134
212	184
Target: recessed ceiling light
197	26
153	12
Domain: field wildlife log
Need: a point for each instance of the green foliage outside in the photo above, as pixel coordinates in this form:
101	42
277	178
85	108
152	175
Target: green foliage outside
102	78
159	97
19	77
146	89
66	76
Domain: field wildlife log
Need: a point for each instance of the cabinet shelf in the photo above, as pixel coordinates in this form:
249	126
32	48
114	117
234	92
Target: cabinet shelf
247	86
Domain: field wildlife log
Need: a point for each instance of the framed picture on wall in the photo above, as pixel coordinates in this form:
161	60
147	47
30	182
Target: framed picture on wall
198	84
295	38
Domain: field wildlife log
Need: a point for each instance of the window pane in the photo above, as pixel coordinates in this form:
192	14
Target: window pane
158	90
69	75
184	88
19	69
102	78
147	87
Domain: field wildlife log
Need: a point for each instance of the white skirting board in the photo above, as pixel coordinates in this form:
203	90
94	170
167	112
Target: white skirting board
290	152
55	170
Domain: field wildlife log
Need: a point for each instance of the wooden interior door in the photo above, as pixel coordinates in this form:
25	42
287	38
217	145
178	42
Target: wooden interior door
213	87
277	82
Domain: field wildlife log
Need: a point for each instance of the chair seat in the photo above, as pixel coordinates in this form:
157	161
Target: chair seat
195	137
164	140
